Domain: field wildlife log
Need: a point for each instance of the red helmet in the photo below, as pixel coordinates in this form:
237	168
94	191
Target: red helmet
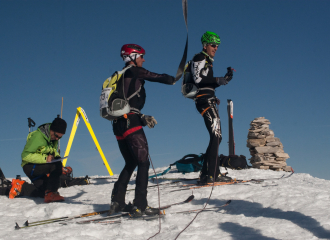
128	49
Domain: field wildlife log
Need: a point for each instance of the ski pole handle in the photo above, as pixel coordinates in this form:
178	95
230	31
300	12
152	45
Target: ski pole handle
31	122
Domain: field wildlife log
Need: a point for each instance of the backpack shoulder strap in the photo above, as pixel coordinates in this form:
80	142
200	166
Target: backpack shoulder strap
115	77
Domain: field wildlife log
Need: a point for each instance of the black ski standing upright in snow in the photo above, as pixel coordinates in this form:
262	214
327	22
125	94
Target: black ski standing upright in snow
232	161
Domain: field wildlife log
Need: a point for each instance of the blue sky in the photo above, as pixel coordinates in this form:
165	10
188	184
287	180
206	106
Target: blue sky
54	49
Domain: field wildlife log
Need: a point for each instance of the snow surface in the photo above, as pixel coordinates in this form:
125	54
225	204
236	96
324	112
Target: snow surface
291	208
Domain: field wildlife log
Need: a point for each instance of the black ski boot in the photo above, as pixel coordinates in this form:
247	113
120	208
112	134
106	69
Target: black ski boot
223	178
202	179
136	212
151	211
115	208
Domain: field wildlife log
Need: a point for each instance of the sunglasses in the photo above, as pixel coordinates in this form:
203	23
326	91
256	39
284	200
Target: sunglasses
141	56
58	137
214	45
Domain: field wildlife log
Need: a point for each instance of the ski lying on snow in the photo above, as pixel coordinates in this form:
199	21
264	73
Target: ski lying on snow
153	217
197	185
62	219
53	220
177	179
206	209
126	216
119	215
278	178
160	184
215	184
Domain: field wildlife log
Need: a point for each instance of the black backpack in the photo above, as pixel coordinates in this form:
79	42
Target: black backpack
233	161
5	184
188	87
67	179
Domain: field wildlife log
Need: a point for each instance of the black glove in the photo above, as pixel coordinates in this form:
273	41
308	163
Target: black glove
221	81
149	121
229	74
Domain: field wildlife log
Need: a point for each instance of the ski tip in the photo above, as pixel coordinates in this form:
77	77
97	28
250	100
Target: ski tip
17	227
190	198
292	170
26	223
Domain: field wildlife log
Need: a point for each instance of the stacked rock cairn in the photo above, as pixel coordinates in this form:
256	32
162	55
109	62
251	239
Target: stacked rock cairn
266	150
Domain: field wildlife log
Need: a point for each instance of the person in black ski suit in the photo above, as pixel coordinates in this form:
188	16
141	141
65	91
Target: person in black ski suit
131	138
206	101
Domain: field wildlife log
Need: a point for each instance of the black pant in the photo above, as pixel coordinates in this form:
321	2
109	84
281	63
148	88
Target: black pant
133	146
37	173
207	107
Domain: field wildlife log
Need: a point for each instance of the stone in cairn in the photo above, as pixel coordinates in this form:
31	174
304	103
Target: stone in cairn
266	150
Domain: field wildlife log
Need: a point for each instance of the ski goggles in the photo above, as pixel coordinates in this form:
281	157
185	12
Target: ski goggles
214	45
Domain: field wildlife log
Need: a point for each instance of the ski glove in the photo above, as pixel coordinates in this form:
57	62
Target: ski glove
149	121
221	81
229	74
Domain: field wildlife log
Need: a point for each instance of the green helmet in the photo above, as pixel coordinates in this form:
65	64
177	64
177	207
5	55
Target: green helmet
210	37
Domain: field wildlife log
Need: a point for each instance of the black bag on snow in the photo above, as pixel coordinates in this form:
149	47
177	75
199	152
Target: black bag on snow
233	162
1	174
68	181
5	184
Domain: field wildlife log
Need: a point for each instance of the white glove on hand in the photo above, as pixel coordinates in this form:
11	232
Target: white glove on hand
149	121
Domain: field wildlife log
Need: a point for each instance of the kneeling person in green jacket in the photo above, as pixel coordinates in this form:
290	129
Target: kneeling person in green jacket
38	157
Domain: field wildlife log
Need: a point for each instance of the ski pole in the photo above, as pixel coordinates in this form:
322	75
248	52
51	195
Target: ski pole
52	220
59	144
31	123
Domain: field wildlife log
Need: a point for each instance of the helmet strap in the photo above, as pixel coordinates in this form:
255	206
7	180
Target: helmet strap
133	60
212	60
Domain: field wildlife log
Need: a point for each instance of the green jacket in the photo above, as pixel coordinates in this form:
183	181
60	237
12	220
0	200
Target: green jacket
38	146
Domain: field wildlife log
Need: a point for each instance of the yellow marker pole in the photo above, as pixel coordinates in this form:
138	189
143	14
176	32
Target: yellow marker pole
89	127
73	132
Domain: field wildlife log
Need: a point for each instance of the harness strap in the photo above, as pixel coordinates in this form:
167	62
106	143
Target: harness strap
136	93
161	174
32	171
201	95
128	132
36	178
135	111
206	88
202	113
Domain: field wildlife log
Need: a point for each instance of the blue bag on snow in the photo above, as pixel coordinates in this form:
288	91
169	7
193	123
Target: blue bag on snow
189	163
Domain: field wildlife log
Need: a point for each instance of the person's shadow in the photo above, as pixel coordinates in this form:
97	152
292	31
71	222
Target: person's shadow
249	209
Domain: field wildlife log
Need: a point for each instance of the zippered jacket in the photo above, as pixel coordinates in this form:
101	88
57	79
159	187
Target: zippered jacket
202	72
135	79
38	146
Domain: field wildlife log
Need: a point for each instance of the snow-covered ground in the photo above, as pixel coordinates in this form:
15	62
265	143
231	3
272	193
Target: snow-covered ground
291	208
